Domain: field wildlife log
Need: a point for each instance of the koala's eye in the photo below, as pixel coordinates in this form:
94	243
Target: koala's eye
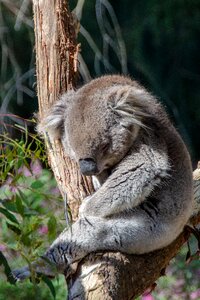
104	147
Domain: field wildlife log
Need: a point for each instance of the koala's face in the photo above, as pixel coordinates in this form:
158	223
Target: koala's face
98	123
94	135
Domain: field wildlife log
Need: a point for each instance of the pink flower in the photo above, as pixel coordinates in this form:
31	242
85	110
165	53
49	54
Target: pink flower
13	189
147	297
195	295
36	167
2	247
25	171
55	191
147	294
43	229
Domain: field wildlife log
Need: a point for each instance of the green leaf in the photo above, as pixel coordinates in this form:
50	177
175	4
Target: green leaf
23	197
52	225
50	285
16	178
37	184
14	228
26	240
8	215
7	269
38	243
20	206
10	205
29	212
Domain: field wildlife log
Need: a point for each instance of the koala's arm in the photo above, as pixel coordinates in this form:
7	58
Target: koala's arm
131	182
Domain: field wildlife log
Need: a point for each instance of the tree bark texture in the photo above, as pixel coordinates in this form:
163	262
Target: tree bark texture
103	275
56	67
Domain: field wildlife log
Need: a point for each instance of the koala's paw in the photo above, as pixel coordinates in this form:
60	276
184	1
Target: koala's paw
41	267
21	274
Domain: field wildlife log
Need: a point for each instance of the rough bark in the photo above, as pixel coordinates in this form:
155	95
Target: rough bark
56	67
108	275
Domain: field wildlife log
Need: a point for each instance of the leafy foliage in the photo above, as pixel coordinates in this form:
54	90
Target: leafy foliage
27	191
26	290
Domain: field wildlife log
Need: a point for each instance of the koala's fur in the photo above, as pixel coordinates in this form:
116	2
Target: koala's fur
118	132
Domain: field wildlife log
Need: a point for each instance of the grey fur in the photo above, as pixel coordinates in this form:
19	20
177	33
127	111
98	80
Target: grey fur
143	194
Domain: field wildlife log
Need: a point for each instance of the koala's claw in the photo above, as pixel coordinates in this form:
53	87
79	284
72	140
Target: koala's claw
41	267
71	269
21	274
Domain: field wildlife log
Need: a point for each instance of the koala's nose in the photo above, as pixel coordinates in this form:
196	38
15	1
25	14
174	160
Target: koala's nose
88	166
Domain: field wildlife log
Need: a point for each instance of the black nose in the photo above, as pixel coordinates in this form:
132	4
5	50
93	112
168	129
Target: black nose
88	166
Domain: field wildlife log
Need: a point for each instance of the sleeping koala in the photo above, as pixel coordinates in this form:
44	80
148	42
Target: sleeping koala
119	134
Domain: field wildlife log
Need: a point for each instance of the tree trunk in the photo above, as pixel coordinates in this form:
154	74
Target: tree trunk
105	275
56	67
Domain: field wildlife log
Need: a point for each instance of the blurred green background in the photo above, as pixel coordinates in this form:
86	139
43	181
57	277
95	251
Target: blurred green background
162	41
155	42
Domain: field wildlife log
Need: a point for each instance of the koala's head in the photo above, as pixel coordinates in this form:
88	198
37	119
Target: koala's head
98	123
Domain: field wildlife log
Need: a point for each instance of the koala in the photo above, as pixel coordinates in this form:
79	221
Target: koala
120	135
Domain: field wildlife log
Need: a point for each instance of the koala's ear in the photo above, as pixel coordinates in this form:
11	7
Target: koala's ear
53	122
130	103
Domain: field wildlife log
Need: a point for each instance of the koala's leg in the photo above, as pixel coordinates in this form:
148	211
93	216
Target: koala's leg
130	233
137	231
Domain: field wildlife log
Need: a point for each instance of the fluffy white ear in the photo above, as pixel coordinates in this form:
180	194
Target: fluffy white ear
129	102
53	122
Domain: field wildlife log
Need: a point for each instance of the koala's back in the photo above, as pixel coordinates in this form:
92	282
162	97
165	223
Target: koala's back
174	194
